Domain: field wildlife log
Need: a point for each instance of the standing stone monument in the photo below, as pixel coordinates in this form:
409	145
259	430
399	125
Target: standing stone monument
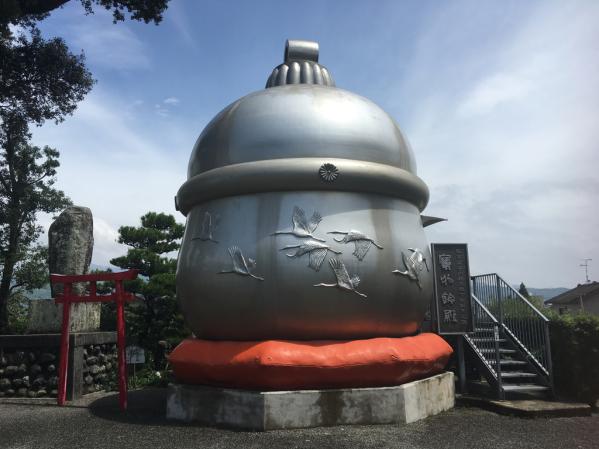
70	244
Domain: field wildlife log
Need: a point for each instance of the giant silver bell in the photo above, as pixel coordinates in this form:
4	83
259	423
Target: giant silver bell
303	216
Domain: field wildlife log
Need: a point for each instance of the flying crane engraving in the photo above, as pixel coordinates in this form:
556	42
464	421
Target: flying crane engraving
208	226
301	226
240	266
414	265
361	241
317	252
344	282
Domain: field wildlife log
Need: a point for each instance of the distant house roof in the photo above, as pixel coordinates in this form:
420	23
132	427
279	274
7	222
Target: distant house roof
574	294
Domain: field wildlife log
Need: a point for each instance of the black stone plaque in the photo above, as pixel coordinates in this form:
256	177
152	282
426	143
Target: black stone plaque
452	308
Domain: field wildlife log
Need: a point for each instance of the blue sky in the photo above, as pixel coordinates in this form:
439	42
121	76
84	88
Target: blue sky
499	100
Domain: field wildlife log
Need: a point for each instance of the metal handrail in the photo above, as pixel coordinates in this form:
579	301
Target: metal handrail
489	314
520	320
532	306
488	347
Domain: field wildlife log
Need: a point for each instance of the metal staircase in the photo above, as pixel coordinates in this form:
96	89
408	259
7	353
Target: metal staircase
510	343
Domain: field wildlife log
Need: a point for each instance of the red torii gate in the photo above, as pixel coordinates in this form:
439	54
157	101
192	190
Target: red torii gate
66	298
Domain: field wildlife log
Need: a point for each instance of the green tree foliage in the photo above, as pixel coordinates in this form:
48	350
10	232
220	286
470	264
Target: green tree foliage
538	302
40	80
575	355
27	176
30	273
156	317
28	12
523	291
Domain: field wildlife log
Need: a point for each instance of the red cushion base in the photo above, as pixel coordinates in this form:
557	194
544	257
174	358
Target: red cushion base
295	365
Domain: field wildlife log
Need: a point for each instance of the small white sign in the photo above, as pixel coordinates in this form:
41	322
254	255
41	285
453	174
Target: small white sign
134	355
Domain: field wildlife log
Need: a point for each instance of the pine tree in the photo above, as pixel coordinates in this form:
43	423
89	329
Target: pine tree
40	80
523	291
156	317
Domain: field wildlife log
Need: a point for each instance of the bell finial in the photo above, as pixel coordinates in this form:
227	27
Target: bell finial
300	67
298	50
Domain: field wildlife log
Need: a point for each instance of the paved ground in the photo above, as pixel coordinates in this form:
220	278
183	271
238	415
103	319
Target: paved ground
99	425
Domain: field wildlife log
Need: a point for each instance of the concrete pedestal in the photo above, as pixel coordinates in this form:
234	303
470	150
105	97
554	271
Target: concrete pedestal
269	410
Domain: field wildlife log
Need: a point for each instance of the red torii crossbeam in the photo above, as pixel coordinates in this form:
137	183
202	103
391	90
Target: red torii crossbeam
66	298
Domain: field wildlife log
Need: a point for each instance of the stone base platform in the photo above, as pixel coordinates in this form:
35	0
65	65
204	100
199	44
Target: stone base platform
269	410
531	408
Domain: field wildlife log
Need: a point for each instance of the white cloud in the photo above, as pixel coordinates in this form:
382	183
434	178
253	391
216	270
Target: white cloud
106	246
171	101
119	166
106	45
509	146
491	92
160	110
176	15
501	112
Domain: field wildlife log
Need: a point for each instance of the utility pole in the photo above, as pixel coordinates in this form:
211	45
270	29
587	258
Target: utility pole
586	269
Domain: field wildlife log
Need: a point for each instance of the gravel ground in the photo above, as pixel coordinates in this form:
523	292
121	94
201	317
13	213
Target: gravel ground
99	424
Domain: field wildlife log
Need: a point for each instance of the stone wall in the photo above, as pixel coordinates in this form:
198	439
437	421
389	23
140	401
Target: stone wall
28	373
29	364
100	367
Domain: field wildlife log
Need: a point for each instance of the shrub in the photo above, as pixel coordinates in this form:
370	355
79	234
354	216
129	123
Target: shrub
575	354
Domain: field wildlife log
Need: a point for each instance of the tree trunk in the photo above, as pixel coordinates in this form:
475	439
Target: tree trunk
14	231
8	269
7	273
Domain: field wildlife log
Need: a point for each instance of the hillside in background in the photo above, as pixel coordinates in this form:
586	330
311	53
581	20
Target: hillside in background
545	293
44	293
40	293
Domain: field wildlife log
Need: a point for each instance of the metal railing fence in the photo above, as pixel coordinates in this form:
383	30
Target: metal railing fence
517	317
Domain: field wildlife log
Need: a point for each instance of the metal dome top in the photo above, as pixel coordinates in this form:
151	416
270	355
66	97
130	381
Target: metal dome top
300	66
280	138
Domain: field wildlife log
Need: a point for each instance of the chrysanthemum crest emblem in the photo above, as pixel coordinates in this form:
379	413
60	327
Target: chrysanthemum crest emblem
328	172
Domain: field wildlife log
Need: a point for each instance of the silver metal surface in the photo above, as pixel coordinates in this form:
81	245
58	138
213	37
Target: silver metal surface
302	227
428	220
300	66
316	251
208	226
344	281
240	265
361	241
301	121
294	173
328	172
415	264
286	304
301	173
299	50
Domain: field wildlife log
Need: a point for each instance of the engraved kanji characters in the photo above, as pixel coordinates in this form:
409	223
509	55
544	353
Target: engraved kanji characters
445	261
448	298
450	316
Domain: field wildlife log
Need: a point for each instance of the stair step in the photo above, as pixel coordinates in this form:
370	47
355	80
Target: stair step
486	340
512	362
524	387
516	374
501	351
